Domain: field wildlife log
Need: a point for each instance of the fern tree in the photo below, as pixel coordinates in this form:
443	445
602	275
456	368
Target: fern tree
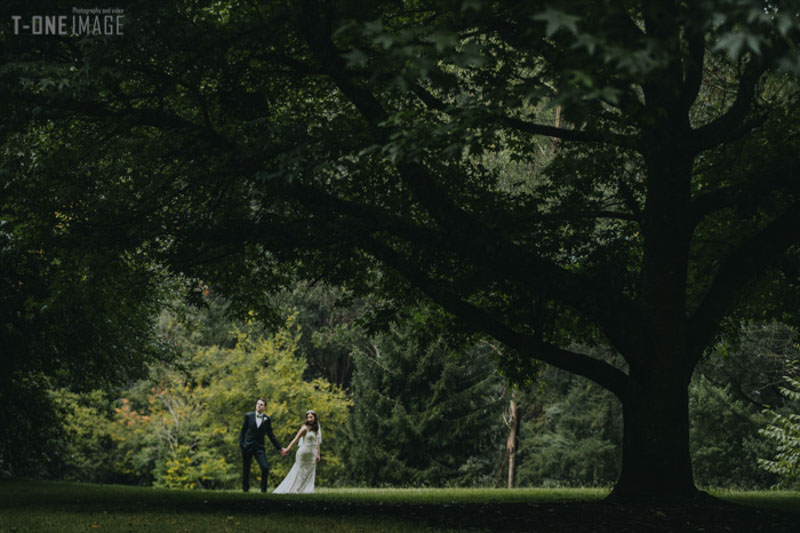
784	430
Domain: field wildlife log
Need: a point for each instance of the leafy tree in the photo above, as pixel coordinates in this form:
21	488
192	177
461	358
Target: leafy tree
229	385
424	413
724	439
784	431
251	143
178	444
727	395
571	429
70	318
207	321
333	320
179	428
571	433
84	449
751	363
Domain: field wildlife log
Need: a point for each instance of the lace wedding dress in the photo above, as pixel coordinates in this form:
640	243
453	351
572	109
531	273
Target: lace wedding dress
300	479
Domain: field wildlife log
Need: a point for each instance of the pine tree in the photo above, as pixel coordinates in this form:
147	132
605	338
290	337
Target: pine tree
425	413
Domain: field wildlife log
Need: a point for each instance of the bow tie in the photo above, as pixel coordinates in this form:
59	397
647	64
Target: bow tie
260	416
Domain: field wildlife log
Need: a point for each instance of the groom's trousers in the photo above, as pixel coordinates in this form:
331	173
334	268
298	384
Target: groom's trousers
261	459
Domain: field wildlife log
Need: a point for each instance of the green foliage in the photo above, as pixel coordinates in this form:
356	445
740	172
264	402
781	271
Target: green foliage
180	427
751	362
251	144
571	429
727	396
174	439
724	438
571	434
77	311
334	320
85	449
70	318
783	430
229	381
424	414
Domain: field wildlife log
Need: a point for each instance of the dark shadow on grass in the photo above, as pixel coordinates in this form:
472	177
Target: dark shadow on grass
705	514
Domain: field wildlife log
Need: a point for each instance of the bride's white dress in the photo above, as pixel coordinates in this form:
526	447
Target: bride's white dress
300	479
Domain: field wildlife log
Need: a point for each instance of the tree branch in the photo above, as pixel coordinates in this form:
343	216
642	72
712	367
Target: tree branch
731	124
745	263
599	371
694	66
612	310
501	260
529	127
615	139
317	33
765	183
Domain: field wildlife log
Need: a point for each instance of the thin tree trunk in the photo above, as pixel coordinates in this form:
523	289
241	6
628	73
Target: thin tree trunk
557	124
511	443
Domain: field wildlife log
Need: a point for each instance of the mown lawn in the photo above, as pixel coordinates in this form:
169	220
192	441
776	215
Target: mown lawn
27	505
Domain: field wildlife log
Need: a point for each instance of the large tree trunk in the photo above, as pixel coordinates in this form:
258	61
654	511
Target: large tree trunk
656	463
655	460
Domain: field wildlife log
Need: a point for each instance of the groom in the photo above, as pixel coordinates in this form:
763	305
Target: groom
251	441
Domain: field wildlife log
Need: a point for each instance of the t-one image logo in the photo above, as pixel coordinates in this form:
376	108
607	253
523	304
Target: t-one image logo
82	21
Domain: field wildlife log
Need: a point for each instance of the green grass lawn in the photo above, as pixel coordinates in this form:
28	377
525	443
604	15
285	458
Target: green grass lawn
60	506
779	500
27	505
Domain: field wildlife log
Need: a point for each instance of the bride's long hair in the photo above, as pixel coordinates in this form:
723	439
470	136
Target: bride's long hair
315	425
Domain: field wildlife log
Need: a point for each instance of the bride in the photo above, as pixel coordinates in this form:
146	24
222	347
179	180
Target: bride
300	479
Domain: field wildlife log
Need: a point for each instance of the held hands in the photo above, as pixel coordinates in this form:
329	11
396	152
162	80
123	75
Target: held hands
284	452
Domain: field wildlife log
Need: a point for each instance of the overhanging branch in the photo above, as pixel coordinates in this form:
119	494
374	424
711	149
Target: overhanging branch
598	371
498	259
761	184
731	125
615	313
568	135
745	263
527	127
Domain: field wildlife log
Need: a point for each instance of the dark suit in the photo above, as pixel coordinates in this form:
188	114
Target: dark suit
251	441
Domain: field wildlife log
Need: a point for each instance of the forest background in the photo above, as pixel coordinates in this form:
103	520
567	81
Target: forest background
404	406
469	190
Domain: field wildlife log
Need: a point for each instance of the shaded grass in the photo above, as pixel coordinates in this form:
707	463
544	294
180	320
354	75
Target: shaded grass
460	495
27	505
787	501
63	521
72	507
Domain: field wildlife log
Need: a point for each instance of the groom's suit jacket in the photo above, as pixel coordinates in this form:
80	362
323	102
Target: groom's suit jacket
252	436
